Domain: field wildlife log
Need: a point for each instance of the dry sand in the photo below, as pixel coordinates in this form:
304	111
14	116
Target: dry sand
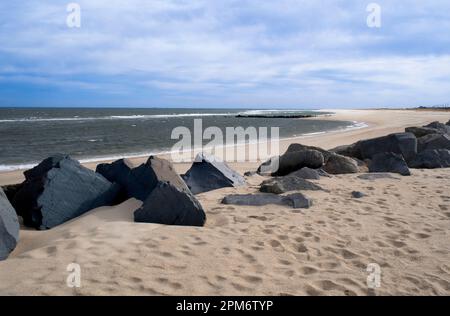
402	225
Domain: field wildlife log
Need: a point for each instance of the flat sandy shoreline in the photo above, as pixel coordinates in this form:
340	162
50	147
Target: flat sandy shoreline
403	225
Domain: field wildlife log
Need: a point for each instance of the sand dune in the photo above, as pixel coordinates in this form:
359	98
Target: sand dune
403	225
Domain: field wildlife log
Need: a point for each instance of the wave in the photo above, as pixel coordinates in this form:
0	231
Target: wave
145	116
112	117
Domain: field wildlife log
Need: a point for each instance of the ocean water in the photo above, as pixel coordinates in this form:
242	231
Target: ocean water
29	135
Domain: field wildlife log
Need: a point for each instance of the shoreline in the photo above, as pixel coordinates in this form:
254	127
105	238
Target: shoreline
166	153
378	122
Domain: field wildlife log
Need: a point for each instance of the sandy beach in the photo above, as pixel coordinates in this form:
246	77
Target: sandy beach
402	225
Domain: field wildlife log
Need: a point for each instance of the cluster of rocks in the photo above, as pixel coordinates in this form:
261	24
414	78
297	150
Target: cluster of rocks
166	197
418	147
425	147
60	189
293	171
300	156
272	190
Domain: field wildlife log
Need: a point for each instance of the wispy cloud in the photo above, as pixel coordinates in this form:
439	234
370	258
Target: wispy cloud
287	53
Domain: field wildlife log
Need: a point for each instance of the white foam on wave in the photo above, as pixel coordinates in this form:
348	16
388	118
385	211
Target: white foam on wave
148	116
113	117
6	168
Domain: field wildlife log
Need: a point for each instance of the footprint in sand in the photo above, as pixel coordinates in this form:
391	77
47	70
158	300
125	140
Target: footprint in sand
308	270
301	248
276	245
422	236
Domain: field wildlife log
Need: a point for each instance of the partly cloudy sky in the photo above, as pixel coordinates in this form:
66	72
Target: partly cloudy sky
225	53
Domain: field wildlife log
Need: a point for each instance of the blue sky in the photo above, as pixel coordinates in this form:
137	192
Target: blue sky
225	53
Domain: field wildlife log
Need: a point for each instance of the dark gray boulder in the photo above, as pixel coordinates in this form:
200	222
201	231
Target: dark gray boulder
442	128
389	162
169	205
338	164
431	159
287	184
9	227
421	131
434	141
139	182
60	189
117	171
448	123
292	161
404	144
308	173
296	200
208	173
358	195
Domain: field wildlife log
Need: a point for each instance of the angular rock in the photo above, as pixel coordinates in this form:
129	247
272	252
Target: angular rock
60	189
421	131
358	195
287	184
389	162
448	123
169	205
442	128
139	182
308	173
165	172
296	200
432	159
292	161
338	164
9	227
401	143
117	171
208	173
434	141
47	164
